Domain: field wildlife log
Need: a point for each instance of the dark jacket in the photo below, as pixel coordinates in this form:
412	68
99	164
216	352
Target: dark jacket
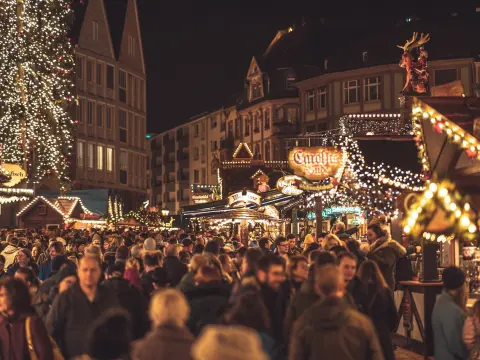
13	340
175	270
385	252
382	311
132	300
164	342
45	270
12	269
208	302
41	304
276	303
332	330
187	283
358	295
71	316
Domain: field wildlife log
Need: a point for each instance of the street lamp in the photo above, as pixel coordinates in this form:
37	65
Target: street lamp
165	212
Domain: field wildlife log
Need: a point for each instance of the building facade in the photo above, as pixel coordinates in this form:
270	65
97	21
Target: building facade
111	148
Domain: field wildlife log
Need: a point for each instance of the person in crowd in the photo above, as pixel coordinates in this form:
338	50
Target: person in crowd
149	244
293	249
212	247
121	255
56	249
471	332
132	272
281	247
22	332
340	231
333	244
238	259
307	241
208	300
380	306
168	338
39	301
227	267
136	251
174	268
297	271
353	246
3	273
250	311
188	280
448	317
62	281
10	252
263	244
228	343
58	263
355	292
45	256
153	269
109	337
187	246
74	310
331	329
129	297
23	259
384	251
37	250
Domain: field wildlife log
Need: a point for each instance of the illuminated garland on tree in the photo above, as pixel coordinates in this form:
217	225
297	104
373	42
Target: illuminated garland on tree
115	209
36	88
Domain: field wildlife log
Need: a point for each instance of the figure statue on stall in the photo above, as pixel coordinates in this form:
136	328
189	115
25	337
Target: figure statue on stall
417	77
263	184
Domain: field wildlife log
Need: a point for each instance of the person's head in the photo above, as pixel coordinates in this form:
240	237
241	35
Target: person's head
151	261
263	243
132	263
136	251
271	271
321	237
347	262
12	240
298	268
110	335
14	297
89	271
169	307
329	280
212	247
339	228
187	244
330	241
56	248
150	244
374	232
353	246
281	244
369	273
172	250
121	253
250	260
249	310
292	241
454	283
27	276
118	241
24	256
66	278
226	262
58	262
36	251
206	274
197	262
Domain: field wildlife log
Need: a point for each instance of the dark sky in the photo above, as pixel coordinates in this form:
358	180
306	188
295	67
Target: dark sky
198	51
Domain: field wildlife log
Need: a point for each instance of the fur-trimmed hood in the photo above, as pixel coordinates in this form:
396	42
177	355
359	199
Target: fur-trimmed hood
388	242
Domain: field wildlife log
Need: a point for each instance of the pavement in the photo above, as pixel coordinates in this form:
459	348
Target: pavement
402	354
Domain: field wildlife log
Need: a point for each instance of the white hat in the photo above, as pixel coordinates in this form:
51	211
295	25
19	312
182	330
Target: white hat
150	244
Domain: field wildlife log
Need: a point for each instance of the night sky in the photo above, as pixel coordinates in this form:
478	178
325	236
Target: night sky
197	52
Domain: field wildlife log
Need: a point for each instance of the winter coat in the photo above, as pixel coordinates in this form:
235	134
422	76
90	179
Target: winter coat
382	311
208	302
187	283
385	252
175	270
358	295
276	303
471	336
332	330
132	300
10	252
447	323
43	257
45	270
71	316
12	269
13	339
41	304
164	342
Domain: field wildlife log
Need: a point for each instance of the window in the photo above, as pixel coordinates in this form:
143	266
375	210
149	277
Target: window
109	117
322	97
140	95
90	156
290	80
372	88
257	153
350	92
122	125
247	126
99	157
158	160
195	153
99	74
95	30
196	130
267	151
171	196
135	92
80	153
90	71
131	46
42	209
100	115
213	122
310	100
196	176
80	67
202	130
123	166
445	76
90	112
238	128
80	110
213	145
110	81
109	159
223	124
256	121
204	176
202	153
230	129
122	86
256	89
292	115
267	119
171	177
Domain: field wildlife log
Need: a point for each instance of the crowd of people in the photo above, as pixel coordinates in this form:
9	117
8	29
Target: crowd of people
141	295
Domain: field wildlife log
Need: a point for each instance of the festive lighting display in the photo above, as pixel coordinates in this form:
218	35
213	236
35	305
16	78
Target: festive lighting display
36	63
441	196
239	147
374	124
115	209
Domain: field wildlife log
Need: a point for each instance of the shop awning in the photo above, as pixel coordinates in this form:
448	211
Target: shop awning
242	214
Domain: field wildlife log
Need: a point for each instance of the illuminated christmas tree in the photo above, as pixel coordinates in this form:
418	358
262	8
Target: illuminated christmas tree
36	88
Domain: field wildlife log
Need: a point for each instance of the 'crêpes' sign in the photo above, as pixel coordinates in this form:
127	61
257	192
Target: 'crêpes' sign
315	163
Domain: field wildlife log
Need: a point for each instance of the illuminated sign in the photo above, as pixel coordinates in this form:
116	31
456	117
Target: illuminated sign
311	215
288	185
201	198
17	173
315	163
335	210
243	198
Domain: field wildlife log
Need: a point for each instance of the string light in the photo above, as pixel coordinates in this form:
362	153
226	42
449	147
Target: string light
374	124
239	147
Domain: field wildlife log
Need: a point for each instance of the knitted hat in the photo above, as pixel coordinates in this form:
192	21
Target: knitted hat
453	278
228	343
150	244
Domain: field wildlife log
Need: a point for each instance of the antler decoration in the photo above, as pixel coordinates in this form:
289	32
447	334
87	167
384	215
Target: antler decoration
413	42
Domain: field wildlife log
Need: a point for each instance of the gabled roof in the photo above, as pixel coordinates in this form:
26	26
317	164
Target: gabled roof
116	12
64	206
79	10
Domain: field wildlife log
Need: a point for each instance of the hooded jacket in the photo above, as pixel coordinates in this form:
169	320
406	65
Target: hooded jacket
385	252
332	330
10	252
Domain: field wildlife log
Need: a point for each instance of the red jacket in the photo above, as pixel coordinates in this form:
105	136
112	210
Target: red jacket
13	339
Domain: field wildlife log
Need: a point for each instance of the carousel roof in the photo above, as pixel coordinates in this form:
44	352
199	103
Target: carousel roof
242	214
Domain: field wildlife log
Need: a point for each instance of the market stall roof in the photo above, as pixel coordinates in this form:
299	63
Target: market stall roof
242	214
68	207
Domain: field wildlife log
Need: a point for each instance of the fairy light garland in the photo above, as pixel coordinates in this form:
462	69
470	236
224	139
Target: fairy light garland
40	97
374	124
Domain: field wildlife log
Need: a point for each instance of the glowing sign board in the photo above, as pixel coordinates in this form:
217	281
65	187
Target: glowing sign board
315	163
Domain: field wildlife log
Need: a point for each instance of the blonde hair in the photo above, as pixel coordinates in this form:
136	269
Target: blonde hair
332	237
132	263
197	261
94	251
169	307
